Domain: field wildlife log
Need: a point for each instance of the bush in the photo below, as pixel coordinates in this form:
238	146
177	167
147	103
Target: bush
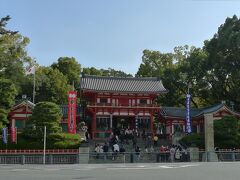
64	141
64	136
54	141
196	140
226	132
22	143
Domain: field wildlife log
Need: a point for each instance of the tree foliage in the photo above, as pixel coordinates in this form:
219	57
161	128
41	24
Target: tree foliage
13	57
176	70
70	68
194	140
3	23
105	72
224	62
3	118
213	71
44	114
51	85
227	132
8	93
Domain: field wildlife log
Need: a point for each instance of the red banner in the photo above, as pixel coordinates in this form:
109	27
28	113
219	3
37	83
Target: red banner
72	110
14	135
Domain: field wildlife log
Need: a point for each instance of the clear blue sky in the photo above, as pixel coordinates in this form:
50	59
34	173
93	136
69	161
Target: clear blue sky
113	33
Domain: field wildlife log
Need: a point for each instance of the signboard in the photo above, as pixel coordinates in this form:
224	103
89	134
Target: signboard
14	135
5	135
72	99
188	114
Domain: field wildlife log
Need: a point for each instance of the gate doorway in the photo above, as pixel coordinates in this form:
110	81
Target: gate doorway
123	122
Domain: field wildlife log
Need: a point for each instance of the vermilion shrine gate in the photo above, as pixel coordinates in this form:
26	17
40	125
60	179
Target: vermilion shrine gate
115	102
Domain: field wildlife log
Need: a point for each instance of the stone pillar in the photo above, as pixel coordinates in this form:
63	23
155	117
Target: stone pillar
209	154
83	155
198	128
209	132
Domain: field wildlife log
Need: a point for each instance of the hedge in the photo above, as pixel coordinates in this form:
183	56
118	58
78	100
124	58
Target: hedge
54	141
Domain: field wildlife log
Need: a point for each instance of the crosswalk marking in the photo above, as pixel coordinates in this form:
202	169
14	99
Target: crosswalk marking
151	167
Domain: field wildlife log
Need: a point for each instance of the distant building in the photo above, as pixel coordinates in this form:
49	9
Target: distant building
20	113
174	118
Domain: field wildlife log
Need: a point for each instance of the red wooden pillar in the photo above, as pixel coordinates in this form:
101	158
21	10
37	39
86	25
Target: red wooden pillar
93	125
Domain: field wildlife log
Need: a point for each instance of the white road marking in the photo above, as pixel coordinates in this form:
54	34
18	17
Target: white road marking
83	169
189	165
152	167
166	167
52	169
16	170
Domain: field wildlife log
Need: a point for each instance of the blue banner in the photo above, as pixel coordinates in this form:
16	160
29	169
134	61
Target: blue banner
188	114
5	135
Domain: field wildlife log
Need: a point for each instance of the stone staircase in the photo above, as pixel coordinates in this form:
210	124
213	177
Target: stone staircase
120	158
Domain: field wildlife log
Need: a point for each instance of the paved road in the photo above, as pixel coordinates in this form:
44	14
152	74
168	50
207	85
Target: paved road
174	171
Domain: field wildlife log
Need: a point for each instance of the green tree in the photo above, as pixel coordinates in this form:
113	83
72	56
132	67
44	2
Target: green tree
224	63
8	93
44	114
3	118
227	132
192	70
186	65
13	55
91	71
105	72
70	68
51	85
3	23
154	63
166	67
161	65
114	73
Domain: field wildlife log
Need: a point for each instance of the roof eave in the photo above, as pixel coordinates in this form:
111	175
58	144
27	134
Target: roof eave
130	92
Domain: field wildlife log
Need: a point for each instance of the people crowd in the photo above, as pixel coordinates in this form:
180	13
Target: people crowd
119	139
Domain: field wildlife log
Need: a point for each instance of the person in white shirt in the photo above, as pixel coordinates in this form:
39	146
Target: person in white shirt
115	151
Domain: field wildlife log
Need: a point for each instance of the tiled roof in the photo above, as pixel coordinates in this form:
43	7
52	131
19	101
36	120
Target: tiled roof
181	112
178	112
121	84
23	103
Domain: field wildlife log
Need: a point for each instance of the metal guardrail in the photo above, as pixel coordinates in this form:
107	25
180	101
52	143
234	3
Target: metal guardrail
127	157
38	159
38	151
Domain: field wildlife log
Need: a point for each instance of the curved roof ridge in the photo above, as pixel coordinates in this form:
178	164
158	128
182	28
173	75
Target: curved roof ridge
113	77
